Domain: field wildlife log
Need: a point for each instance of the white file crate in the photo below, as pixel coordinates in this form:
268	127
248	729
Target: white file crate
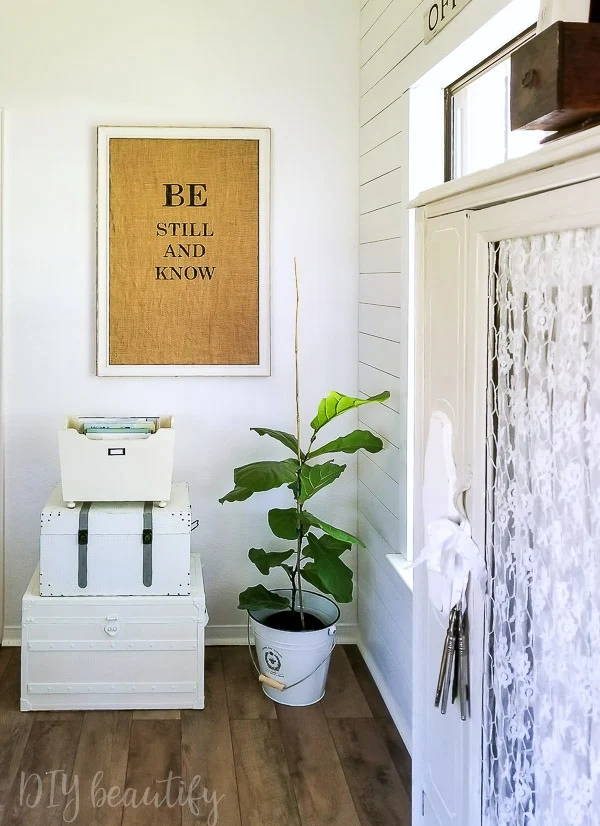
113	652
116	548
116	470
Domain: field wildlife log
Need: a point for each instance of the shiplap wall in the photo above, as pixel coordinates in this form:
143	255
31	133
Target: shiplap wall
393	58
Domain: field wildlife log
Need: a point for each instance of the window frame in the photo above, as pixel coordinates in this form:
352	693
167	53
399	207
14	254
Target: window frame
465	80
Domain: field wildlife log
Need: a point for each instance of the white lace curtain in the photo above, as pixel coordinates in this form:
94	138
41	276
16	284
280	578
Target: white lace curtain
542	693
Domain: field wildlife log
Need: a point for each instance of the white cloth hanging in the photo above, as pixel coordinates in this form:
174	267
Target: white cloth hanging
450	553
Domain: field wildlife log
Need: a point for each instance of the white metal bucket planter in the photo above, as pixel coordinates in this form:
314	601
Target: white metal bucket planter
293	665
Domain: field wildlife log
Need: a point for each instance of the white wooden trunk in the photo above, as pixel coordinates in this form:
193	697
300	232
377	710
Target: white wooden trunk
115	548
113	652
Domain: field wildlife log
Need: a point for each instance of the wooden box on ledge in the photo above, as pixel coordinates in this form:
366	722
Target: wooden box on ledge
555	78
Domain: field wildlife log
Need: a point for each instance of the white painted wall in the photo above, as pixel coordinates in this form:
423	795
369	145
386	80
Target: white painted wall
393	59
67	67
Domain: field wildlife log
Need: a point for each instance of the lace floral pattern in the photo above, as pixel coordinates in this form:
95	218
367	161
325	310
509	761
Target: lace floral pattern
542	693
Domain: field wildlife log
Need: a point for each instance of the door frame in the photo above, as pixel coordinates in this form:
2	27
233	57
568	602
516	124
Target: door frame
555	182
2	374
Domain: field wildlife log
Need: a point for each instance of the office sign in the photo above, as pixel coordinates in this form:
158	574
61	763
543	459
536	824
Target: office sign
439	13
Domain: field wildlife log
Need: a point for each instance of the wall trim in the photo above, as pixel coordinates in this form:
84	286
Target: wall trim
402	724
3	368
12	636
214	634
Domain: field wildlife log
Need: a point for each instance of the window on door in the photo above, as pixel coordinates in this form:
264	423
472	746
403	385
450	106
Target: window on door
477	123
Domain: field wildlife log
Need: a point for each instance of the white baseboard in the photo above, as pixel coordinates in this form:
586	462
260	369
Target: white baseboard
12	636
214	634
402	724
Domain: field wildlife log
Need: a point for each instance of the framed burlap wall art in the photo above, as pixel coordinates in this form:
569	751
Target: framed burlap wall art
183	252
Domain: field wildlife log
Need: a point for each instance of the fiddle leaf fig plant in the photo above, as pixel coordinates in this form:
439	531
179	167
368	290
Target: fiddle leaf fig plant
316	557
318	547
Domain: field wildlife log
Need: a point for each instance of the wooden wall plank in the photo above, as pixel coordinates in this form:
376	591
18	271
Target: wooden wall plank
396	45
381	224
370	12
393	18
385	289
383	191
401	596
381	256
382	127
389	460
395	650
376	579
379	644
372	381
379	483
383	158
383	519
383	322
384	421
381	354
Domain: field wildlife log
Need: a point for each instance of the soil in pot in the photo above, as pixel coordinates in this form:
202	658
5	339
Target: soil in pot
290	621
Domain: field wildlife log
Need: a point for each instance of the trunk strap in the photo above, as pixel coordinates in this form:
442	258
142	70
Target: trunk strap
147	540
82	541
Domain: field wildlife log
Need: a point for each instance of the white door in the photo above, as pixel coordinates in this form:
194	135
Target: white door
454	312
1	400
446	787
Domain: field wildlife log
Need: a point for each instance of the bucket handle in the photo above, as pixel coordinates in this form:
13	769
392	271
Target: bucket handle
282	686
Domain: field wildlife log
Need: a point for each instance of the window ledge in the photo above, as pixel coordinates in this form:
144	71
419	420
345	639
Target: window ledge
401	566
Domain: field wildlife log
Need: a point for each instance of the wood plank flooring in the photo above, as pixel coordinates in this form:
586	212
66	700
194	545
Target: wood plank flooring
242	761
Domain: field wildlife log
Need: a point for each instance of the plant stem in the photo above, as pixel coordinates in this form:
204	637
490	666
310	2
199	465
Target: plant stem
300	462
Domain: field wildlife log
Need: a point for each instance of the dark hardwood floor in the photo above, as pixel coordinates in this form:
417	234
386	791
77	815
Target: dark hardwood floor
242	761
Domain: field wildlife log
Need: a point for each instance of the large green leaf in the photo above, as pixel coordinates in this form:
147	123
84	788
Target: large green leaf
316	477
311	574
334	546
311	521
260	476
265	561
259	598
335	576
286	439
236	495
337	403
357	440
284	522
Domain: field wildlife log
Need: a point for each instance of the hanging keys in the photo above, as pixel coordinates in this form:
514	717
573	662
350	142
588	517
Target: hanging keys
446	666
463	669
453	679
451	639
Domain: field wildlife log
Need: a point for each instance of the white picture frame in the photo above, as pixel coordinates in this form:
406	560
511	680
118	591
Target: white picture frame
103	364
